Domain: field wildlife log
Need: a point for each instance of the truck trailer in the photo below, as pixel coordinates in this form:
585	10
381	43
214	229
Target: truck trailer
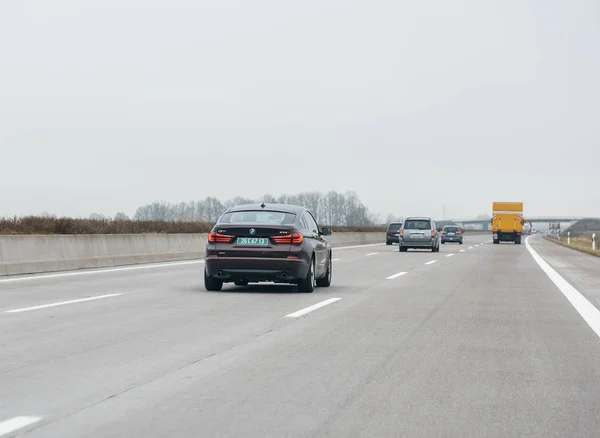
507	222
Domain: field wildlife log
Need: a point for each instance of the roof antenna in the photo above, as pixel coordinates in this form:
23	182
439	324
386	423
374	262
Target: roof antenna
262	205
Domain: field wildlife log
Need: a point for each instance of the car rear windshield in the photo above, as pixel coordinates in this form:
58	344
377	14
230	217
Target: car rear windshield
415	224
261	217
452	229
394	227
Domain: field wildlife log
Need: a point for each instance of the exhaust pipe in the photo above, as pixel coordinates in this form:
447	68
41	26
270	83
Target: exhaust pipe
284	275
219	273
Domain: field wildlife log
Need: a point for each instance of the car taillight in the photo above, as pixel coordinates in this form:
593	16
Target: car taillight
214	237
295	239
443	232
458	232
432	233
401	233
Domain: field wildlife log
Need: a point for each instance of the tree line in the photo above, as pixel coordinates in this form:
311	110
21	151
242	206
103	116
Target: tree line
332	208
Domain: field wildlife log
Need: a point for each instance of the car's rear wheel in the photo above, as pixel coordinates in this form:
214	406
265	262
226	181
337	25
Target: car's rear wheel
212	284
326	281
307	284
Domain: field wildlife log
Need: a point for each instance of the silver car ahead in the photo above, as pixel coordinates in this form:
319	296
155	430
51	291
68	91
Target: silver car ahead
419	233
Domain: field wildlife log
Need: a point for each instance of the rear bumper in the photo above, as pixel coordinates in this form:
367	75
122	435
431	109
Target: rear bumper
417	243
504	236
256	269
452	239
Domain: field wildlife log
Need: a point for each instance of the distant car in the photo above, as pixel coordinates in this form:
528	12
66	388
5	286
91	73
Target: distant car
419	233
393	233
452	233
268	243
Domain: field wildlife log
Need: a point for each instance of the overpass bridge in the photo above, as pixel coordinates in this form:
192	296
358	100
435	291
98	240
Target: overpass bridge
485	224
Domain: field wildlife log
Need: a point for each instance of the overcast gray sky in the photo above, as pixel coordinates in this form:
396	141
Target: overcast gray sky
107	105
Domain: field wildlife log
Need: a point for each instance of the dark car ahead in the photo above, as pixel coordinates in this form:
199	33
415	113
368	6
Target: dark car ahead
276	243
393	233
452	233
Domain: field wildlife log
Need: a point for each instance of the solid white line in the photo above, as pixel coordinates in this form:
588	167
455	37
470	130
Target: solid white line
372	254
62	303
311	308
100	271
16	423
449	255
587	310
431	262
399	274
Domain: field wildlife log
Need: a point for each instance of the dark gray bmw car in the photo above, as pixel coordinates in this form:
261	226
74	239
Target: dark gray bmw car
268	243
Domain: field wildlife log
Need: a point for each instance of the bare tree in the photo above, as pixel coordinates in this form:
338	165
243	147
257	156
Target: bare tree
332	208
121	217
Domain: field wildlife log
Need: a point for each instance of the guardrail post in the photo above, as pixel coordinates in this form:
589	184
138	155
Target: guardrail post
594	242
569	238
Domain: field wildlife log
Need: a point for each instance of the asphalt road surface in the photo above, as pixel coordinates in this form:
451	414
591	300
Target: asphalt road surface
476	340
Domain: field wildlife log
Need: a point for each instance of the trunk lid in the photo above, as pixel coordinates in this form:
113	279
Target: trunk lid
254	240
417	230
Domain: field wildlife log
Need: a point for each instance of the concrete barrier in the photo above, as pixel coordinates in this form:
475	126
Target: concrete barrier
34	254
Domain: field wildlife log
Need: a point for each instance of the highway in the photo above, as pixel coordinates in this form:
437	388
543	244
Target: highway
474	341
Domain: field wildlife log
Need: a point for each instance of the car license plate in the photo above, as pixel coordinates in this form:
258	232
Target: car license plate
450	234
417	235
260	241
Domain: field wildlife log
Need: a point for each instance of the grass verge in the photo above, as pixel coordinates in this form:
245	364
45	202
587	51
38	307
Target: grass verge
45	226
578	244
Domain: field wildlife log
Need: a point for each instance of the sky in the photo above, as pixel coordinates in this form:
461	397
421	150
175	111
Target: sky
106	105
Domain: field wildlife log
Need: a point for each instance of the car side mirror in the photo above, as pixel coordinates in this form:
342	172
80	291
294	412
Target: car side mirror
325	231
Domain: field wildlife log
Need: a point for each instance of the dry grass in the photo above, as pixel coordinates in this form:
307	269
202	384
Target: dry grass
582	244
44	225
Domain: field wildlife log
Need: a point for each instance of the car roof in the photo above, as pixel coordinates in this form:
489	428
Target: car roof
418	218
284	208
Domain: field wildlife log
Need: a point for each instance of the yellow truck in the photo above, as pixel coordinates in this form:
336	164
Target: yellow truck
507	222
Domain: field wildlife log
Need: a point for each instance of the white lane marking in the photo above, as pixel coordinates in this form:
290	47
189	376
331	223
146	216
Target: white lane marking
61	303
311	308
449	255
399	274
470	247
462	250
357	246
372	254
477	245
431	262
100	271
587	310
16	423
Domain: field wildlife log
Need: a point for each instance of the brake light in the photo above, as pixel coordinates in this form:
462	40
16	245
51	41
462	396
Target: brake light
401	233
458	232
432	233
214	237
294	239
443	232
